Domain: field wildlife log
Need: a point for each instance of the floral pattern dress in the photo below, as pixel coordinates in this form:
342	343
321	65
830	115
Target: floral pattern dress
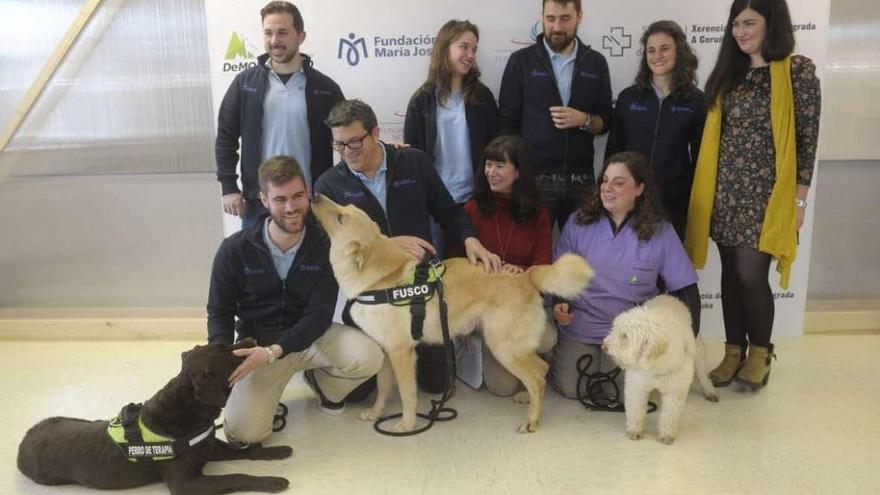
747	157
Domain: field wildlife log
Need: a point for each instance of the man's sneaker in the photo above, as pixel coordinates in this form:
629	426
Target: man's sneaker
327	405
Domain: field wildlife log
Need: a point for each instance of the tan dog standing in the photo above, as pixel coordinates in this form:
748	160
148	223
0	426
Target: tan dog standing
507	307
655	344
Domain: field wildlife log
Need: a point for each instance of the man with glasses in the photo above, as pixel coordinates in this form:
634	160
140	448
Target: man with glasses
275	108
400	190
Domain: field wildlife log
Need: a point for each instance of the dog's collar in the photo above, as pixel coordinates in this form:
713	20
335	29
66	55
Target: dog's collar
420	282
139	443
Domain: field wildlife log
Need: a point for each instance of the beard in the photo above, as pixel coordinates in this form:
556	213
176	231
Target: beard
286	226
285	58
558	43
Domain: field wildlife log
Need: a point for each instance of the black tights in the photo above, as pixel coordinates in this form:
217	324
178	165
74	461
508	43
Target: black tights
746	298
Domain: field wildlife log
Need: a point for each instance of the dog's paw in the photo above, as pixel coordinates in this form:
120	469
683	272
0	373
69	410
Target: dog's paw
403	426
370	415
711	396
667	439
270	453
527	426
272	484
634	434
521	397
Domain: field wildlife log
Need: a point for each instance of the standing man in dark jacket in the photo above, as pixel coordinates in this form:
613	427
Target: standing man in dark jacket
275	277
400	190
276	108
556	94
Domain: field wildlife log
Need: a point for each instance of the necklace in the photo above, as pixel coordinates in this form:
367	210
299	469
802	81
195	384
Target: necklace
503	244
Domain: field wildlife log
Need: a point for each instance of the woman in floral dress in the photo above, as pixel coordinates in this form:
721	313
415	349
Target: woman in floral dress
753	176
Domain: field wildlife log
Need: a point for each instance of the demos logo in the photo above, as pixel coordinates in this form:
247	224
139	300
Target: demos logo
239	54
354	49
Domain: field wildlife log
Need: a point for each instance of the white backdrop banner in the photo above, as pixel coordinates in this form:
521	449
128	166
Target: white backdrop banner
379	50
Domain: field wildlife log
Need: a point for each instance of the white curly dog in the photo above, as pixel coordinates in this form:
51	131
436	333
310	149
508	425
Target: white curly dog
656	347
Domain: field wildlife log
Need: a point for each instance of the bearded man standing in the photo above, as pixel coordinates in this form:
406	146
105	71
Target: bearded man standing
556	95
276	108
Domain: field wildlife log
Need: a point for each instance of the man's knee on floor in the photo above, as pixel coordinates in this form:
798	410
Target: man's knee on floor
502	386
366	363
247	430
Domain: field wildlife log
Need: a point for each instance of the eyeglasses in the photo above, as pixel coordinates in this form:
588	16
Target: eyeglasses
352	144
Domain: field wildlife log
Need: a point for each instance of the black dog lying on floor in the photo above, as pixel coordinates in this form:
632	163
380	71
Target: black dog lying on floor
67	450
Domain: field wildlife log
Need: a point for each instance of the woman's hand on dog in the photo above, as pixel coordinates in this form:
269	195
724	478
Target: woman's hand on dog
256	357
477	253
562	314
511	268
416	246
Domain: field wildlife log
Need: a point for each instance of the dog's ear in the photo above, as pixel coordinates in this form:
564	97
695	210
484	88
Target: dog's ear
653	349
209	390
656	349
357	252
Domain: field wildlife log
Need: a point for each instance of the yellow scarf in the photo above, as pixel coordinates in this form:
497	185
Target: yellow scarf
779	232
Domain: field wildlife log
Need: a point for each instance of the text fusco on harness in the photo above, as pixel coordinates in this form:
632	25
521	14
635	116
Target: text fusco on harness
415	292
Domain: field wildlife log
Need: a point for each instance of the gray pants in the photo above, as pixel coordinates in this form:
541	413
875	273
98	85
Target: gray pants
501	382
564	372
345	358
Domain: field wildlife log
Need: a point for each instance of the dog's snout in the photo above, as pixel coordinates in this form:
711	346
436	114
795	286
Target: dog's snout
317	199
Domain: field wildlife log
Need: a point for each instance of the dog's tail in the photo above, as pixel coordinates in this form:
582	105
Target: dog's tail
701	370
566	277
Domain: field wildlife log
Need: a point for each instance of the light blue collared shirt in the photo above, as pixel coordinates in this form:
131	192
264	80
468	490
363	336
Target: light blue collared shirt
563	69
377	184
452	150
282	260
285	121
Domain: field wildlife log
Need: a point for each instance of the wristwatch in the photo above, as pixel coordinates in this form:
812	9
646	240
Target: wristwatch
801	203
588	125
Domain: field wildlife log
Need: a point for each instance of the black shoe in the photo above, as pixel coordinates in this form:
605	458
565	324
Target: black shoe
327	405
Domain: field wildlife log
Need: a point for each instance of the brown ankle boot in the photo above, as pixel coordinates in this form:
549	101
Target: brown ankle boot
755	372
734	355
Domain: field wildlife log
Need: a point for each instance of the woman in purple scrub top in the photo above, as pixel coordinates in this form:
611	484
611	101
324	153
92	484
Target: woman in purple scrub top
636	255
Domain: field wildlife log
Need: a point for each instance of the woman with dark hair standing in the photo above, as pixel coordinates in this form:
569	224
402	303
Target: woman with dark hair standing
453	116
753	175
662	116
635	255
511	222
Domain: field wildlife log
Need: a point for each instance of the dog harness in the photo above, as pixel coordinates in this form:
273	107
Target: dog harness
138	443
417	289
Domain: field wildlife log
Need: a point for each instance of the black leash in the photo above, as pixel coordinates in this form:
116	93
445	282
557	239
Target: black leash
592	388
439	411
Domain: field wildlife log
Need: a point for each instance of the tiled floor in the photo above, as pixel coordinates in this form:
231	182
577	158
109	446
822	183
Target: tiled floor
815	429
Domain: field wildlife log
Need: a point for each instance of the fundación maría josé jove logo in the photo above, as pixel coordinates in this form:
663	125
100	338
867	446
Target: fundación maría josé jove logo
239	54
354	49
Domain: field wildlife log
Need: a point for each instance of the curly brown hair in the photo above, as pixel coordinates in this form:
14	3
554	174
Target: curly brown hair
685	75
647	211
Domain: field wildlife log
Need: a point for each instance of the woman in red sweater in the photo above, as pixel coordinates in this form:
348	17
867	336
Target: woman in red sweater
506	209
512	223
